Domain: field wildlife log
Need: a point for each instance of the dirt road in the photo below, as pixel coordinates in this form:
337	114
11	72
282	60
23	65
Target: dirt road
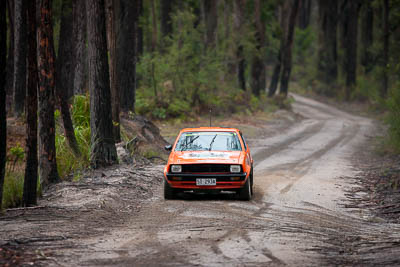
296	217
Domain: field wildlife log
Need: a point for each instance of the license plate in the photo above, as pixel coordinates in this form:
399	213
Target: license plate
206	181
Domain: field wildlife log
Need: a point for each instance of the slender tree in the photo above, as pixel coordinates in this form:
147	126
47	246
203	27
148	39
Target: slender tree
276	74
305	13
258	66
80	54
367	38
287	50
350	10
10	56
166	7
65	73
111	43
31	167
103	150
47	150
19	82
3	117
385	60
327	44
239	6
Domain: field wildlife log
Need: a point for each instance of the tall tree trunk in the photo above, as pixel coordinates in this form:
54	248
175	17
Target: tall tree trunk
211	21
103	150
47	150
3	117
239	6
327	44
19	83
258	66
80	55
31	167
65	73
283	14
287	51
367	24
10	56
350	31
385	47
111	42
126	52
305	13
166	7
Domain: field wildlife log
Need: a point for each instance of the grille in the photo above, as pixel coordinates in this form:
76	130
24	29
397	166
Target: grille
213	168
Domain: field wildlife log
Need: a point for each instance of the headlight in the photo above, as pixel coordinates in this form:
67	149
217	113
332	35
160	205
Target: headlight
235	168
176	168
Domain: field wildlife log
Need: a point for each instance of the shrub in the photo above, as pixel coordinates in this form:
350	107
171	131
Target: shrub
67	162
393	118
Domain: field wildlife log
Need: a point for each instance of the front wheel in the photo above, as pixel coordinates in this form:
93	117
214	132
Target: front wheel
169	192
245	192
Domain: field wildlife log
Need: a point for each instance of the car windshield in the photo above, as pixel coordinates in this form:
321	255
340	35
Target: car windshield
208	141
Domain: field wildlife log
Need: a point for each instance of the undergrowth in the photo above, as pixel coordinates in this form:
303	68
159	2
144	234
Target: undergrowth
67	162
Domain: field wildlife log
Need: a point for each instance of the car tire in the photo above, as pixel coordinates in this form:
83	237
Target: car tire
169	192
252	182
245	192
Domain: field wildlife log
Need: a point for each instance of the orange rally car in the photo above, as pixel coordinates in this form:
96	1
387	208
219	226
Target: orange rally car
209	158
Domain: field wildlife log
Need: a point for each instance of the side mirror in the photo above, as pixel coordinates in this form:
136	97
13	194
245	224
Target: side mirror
168	147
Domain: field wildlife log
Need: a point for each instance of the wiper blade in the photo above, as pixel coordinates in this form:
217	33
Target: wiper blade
191	141
212	141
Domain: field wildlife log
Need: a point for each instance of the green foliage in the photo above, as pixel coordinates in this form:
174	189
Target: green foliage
67	162
393	118
13	188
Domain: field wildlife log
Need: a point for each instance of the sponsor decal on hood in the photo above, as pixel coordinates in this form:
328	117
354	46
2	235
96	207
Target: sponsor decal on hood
206	155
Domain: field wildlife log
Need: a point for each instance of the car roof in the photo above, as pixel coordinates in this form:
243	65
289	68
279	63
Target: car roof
210	129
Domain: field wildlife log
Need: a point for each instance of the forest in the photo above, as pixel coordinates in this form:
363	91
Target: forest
71	69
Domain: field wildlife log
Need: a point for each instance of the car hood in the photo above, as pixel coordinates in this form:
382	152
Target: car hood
185	157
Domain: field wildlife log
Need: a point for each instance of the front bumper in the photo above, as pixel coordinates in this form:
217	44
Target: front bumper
223	181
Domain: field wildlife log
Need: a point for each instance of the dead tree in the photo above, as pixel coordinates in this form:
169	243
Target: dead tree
3	117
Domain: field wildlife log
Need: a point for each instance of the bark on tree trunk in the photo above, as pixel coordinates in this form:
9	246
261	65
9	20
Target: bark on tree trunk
10	56
367	38
287	51
211	21
103	150
111	42
65	74
126	53
47	150
350	29
31	167
327	44
19	82
385	47
80	55
3	117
